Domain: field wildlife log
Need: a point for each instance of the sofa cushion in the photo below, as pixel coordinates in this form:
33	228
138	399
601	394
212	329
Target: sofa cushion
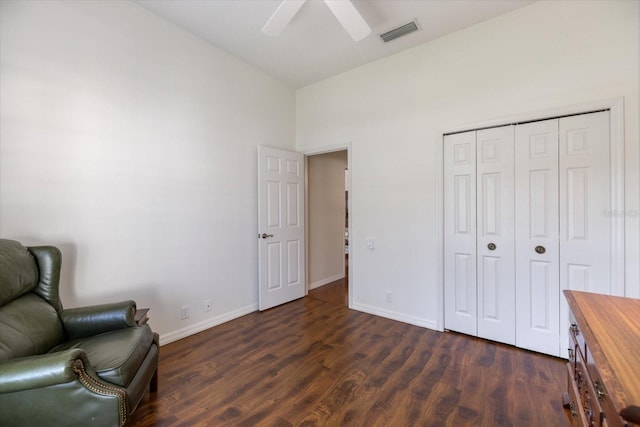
18	271
28	326
116	355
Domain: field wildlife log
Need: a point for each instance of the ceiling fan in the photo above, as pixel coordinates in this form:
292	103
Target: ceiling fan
344	11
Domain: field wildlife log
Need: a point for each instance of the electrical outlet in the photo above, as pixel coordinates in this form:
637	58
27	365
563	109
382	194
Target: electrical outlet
371	243
184	312
389	297
207	305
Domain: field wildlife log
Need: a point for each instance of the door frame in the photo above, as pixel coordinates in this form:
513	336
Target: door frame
323	150
616	144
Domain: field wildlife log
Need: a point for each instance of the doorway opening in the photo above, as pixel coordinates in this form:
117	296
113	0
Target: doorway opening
328	227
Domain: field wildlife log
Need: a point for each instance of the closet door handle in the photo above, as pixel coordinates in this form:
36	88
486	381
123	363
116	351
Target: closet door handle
491	246
540	249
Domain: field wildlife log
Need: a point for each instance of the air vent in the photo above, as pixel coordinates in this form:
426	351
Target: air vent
402	30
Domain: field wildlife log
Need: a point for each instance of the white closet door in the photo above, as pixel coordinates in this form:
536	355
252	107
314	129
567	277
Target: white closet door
495	234
585	223
526	217
460	233
537	245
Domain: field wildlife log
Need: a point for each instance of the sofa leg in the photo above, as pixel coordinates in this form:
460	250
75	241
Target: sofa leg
153	385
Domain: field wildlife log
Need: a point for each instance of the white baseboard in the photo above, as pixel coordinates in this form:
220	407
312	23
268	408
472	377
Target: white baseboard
326	281
206	324
394	315
225	317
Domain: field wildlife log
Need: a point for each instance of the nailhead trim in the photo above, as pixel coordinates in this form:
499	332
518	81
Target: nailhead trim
101	388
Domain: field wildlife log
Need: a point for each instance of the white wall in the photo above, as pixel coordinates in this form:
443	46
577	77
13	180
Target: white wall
544	56
326	217
131	145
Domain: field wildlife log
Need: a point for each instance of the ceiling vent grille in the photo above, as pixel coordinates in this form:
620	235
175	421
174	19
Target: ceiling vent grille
402	30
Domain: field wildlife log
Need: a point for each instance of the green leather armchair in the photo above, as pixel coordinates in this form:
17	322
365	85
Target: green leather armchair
88	366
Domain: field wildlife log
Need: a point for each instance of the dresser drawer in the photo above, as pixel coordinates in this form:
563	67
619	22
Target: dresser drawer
576	417
576	335
589	403
600	393
574	351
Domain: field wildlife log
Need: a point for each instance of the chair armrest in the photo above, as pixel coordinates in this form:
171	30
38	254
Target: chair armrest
96	319
43	370
59	389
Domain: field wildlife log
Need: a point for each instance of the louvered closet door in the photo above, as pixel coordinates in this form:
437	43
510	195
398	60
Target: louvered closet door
537	246
460	293
495	234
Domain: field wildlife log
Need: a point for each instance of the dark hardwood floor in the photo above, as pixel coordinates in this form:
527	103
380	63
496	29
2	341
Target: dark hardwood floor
317	363
334	292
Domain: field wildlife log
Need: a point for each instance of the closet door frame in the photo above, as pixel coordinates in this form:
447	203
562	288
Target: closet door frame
616	144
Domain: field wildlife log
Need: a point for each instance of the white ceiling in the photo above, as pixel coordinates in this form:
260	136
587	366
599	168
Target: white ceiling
314	45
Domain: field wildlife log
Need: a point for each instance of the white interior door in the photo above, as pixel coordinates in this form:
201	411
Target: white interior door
281	245
585	225
460	293
563	238
495	234
537	234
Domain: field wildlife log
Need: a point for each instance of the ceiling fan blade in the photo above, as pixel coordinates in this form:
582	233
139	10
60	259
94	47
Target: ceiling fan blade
282	16
350	18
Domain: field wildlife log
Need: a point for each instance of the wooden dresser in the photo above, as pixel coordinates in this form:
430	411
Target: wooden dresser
604	360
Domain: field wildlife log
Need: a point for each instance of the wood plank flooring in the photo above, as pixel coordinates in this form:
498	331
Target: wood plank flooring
317	363
334	292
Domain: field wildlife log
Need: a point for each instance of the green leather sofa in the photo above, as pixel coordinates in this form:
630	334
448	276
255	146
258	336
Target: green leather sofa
88	366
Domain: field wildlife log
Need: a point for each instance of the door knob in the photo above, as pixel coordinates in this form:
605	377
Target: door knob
540	249
265	235
491	246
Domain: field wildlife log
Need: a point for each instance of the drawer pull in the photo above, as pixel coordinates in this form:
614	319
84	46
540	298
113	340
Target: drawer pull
572	408
574	329
570	353
599	390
